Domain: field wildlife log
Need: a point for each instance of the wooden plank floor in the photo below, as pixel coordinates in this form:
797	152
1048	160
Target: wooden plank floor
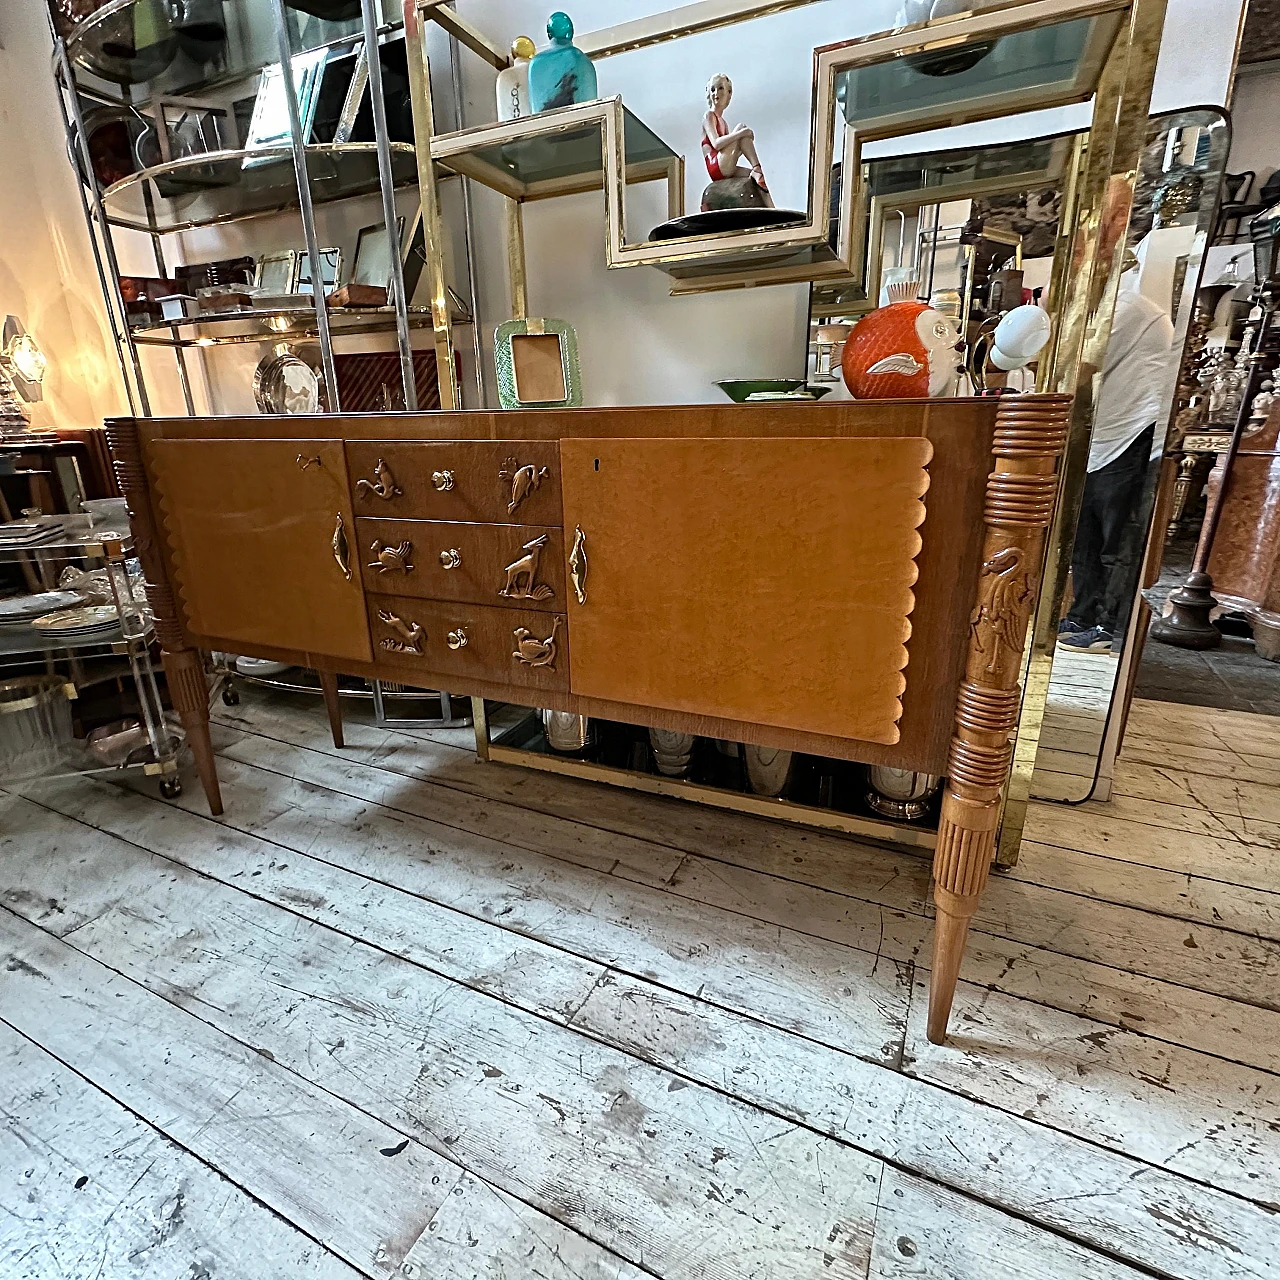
399	1013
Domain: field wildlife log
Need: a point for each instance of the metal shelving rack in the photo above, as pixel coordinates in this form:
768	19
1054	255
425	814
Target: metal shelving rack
86	661
298	176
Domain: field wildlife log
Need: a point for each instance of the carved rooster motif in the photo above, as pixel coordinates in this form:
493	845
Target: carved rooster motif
533	652
521	581
391	559
385	487
524	480
999	623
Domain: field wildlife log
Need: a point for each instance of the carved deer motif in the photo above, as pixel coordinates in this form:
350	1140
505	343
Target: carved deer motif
524	480
521	576
536	653
411	634
391	559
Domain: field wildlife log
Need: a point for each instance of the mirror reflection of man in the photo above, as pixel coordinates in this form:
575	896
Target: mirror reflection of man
1135	373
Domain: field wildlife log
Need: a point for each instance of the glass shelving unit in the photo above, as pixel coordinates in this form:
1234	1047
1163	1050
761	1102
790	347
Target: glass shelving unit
83	662
159	106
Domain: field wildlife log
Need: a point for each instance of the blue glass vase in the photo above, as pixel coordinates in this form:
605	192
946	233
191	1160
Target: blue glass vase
560	74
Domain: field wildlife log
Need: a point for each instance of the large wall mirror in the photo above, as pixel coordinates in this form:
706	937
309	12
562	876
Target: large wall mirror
982	229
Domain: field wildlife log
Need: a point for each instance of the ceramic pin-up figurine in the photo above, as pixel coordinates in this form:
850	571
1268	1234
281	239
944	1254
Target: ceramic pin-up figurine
513	81
904	349
561	74
723	147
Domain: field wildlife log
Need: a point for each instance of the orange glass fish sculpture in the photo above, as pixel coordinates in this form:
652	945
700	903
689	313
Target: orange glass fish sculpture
904	349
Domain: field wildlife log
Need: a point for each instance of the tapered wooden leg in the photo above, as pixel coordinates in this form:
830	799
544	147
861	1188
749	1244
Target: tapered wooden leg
329	684
1021	489
189	692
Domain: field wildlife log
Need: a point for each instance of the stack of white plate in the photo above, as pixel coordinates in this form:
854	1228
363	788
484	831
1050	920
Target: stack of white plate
92	622
22	611
28	533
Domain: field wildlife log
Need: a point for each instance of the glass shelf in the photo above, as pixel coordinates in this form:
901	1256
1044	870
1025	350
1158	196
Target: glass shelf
230	328
1057	61
20	641
131	50
205	190
78	538
558	152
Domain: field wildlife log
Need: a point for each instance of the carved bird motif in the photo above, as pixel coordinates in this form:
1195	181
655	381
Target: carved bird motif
533	652
524	480
385	487
391	559
998	624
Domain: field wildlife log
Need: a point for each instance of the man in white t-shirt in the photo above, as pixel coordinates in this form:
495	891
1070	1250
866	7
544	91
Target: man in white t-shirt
1135	377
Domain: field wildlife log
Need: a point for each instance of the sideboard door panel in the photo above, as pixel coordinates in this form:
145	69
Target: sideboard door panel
258	530
762	580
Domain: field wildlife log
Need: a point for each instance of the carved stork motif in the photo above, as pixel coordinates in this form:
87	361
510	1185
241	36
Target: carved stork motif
998	624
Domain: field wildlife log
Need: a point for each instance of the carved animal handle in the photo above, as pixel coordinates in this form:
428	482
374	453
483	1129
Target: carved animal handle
383	485
341	550
451	559
442	480
578	565
456	639
305	462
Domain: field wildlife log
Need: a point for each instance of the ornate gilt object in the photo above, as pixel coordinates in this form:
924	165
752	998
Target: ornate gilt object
383	485
524	480
451	558
536	653
456	639
522	575
411	634
388	559
341	550
578	565
442	481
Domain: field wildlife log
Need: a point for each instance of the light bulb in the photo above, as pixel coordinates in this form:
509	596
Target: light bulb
27	358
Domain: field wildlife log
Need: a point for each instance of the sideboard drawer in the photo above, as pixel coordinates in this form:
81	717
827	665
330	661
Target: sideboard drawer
484	480
503	646
498	564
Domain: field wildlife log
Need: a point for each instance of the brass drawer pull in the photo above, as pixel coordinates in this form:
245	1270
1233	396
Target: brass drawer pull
442	480
305	462
456	639
411	634
383	485
578	565
341	551
388	559
451	559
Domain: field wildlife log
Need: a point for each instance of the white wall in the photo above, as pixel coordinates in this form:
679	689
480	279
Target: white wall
47	277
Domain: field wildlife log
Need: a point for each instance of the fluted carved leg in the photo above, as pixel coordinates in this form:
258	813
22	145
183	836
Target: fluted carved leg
189	692
329	686
1030	433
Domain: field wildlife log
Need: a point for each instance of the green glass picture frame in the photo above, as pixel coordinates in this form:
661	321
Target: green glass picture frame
537	365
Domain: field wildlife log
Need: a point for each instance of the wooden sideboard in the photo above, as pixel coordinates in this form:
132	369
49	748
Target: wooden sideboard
852	580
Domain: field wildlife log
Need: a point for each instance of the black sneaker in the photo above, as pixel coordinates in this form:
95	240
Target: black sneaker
1095	640
1068	628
